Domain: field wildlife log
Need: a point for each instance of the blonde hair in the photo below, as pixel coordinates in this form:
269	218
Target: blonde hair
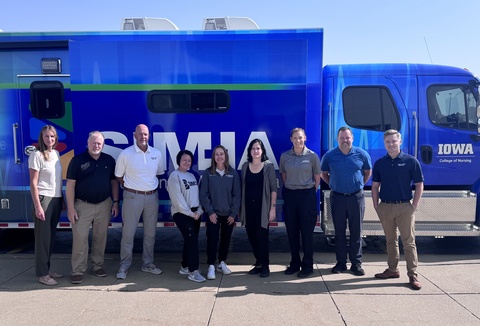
41	147
392	132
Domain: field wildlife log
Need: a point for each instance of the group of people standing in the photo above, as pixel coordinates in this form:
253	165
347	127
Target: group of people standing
221	195
92	197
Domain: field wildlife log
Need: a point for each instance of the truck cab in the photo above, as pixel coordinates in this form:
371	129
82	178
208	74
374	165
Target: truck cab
435	108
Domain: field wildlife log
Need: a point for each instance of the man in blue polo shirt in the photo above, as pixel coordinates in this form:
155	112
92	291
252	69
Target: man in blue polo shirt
392	180
346	169
90	183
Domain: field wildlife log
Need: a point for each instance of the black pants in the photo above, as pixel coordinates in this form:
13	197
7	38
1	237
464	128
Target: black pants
300	211
220	230
189	229
349	209
257	236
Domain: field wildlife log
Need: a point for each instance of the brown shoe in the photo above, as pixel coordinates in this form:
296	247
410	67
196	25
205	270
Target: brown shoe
100	272
387	274
77	279
414	283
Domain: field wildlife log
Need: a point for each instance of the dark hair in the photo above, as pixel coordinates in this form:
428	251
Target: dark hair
184	152
344	129
250	146
213	164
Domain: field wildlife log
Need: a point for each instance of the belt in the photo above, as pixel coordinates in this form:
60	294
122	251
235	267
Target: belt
90	202
396	202
298	190
194	209
346	194
140	192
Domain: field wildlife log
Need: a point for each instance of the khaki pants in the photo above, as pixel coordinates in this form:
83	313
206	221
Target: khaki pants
97	216
134	206
394	218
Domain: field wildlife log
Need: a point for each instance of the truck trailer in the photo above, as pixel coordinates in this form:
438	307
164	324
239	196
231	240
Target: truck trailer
198	89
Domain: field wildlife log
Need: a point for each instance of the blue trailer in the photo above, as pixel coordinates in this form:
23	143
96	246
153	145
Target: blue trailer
198	89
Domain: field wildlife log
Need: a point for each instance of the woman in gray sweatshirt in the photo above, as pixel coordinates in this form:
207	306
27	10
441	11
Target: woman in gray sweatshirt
220	197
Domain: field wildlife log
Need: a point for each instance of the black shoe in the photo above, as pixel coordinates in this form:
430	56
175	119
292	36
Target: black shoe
100	272
357	269
339	268
305	272
291	270
265	272
255	270
77	279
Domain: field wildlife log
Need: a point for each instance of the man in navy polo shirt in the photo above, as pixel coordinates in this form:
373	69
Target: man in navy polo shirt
392	179
90	183
346	169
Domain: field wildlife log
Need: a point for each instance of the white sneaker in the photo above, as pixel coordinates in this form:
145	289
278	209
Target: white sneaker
211	272
223	268
196	277
151	269
183	271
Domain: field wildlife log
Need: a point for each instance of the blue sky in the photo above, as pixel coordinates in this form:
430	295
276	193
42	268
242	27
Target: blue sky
375	31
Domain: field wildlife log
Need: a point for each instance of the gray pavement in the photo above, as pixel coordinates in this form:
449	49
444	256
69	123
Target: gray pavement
450	294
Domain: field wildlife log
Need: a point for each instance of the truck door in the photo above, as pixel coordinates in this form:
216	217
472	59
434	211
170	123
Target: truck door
448	139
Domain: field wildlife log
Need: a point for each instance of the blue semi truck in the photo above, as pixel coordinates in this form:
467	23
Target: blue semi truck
198	89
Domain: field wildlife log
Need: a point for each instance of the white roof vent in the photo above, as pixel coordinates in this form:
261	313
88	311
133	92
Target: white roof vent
228	23
148	24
